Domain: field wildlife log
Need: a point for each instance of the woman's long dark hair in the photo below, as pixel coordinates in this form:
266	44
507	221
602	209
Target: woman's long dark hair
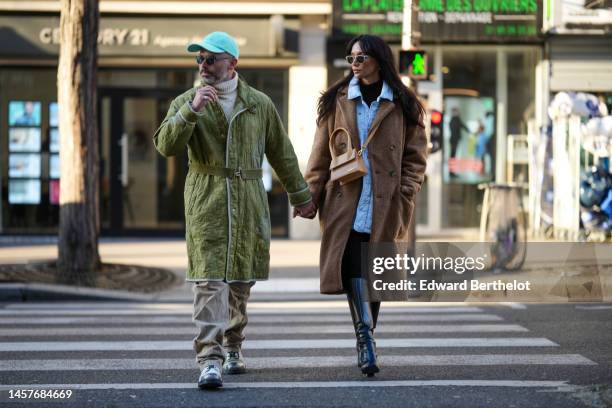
378	49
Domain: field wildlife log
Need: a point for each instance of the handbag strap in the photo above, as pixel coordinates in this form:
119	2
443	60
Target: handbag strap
337	131
365	144
333	136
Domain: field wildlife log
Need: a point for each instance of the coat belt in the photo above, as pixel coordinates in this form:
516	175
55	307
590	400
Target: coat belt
244	174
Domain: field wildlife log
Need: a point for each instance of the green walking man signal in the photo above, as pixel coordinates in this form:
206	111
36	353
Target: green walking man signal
413	63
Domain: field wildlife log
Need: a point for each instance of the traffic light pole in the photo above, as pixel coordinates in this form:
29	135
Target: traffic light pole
407	43
407	26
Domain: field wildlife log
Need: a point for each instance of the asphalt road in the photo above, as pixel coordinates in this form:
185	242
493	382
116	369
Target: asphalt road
302	354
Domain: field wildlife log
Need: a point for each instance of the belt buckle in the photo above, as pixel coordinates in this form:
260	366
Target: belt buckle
238	173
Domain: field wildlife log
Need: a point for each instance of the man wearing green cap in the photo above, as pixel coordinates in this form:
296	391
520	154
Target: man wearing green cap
227	127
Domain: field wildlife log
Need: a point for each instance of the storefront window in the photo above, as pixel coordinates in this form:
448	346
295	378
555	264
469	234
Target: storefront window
469	83
521	90
471	101
139	189
28	153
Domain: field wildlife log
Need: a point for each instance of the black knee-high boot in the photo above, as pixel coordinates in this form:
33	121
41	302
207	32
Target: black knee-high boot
361	312
375	306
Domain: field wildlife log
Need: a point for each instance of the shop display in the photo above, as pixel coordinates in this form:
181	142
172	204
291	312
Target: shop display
53	114
469	137
54	141
54	166
24	192
24	113
24	165
582	133
26	139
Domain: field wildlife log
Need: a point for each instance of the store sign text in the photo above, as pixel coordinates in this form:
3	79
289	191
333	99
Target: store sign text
495	6
371	6
107	36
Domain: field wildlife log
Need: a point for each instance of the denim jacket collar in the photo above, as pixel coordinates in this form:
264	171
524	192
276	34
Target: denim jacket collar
354	91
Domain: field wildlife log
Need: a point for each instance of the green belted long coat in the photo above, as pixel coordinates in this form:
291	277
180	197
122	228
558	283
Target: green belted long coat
226	206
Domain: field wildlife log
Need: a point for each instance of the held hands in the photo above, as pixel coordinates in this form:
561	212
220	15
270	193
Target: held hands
203	96
305	211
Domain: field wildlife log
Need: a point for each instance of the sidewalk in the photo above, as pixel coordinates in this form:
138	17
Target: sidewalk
293	266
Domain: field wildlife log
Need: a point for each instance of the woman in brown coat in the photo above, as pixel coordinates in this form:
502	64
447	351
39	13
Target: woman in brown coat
371	103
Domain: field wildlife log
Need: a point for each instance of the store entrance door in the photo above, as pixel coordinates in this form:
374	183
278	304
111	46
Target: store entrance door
142	192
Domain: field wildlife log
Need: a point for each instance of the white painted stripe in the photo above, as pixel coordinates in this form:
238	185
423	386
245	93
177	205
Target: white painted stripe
261	329
440	306
139	312
283	362
274	344
602	307
252	319
513	305
110	312
563	385
415	307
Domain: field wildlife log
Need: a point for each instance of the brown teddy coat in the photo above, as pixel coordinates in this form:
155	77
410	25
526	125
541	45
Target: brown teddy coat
397	154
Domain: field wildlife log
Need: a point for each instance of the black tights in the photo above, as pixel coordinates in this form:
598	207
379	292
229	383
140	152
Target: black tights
351	260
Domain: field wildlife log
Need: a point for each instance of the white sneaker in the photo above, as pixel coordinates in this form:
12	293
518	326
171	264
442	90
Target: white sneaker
210	377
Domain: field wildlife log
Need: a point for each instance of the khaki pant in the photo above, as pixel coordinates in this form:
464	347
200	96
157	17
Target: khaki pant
219	313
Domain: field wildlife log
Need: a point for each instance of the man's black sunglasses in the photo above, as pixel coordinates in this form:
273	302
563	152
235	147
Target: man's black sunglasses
210	60
360	58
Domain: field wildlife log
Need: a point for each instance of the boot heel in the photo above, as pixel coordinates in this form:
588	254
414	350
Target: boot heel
370	370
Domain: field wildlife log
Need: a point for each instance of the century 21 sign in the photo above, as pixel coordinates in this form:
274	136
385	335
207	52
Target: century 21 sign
106	36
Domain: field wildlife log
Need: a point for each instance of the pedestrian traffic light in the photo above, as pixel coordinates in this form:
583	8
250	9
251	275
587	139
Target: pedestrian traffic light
413	63
435	131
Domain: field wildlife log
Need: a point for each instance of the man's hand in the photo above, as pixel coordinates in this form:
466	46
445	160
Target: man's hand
203	96
305	211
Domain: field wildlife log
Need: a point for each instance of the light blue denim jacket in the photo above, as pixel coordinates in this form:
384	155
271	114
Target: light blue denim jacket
365	117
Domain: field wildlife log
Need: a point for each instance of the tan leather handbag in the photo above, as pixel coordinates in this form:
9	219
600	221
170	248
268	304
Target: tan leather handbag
348	166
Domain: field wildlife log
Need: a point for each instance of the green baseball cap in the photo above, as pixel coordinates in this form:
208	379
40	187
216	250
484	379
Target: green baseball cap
217	42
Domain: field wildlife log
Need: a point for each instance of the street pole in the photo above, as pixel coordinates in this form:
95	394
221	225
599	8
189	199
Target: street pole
407	43
407	26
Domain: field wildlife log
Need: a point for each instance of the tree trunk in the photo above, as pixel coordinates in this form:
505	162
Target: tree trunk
78	126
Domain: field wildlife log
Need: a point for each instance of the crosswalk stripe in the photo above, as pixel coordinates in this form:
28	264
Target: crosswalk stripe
598	307
276	344
561	385
280	362
186	311
341	317
252	306
259	329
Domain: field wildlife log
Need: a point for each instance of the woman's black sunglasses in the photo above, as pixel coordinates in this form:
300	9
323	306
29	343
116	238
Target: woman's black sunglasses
360	59
210	60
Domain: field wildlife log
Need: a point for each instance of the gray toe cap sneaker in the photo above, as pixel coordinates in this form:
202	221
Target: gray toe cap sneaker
234	364
210	377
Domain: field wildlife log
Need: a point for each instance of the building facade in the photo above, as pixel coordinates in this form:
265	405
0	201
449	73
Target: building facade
492	68
143	65
484	63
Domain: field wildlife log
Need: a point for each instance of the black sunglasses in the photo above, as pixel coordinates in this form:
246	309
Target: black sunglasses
360	58
210	60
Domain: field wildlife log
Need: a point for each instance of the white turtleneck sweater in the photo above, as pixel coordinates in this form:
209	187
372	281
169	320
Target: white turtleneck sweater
227	91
